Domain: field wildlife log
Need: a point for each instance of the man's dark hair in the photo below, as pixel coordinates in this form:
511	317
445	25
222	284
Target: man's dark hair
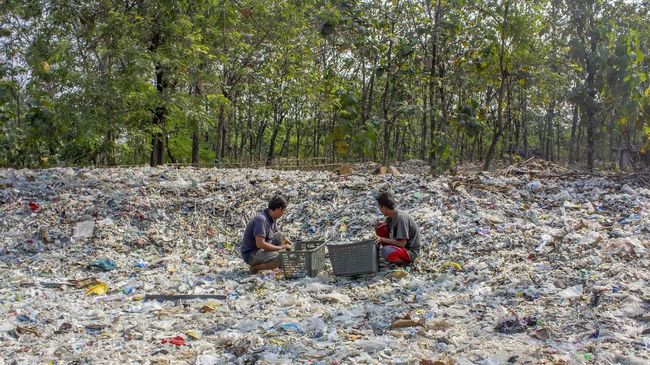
277	201
386	199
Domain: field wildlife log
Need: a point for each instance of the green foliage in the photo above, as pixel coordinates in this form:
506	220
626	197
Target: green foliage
444	152
81	82
468	119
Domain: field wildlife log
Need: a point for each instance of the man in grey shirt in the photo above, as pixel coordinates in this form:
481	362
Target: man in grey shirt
262	242
402	245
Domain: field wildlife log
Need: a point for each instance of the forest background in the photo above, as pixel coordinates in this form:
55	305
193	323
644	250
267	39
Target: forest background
234	82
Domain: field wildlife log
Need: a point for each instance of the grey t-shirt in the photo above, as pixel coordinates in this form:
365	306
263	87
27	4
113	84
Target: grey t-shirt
261	225
403	227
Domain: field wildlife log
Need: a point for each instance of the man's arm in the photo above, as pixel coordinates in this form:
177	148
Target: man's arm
401	234
260	242
388	241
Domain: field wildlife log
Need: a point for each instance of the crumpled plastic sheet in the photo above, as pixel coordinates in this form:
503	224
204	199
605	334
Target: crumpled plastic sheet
498	251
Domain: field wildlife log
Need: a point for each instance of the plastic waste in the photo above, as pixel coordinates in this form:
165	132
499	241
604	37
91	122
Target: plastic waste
566	256
194	334
572	292
33	206
103	264
535	186
290	327
176	341
84	230
97	289
510	326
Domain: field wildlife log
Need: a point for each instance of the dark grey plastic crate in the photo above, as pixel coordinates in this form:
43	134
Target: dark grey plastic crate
307	258
354	258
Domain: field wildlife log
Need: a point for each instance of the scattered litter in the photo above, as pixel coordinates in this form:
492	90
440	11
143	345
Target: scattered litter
102	264
290	327
452	265
97	289
402	323
84	230
33	206
535	186
176	341
568	255
176	297
510	326
193	334
572	292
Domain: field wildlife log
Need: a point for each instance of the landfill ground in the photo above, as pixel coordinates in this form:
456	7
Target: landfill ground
532	264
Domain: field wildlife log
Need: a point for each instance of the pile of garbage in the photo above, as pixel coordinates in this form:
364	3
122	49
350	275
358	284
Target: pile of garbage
515	268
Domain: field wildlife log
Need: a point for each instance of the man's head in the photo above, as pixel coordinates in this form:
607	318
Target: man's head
277	205
386	202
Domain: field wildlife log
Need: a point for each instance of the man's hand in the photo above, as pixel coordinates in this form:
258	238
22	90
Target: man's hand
287	244
379	240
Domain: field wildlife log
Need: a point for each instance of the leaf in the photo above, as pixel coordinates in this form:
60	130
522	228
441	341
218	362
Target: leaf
640	57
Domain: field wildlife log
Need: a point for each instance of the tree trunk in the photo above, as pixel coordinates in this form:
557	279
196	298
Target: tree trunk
386	144
386	101
492	149
590	61
558	135
432	85
196	131
612	144
442	126
590	143
548	132
317	136
251	132
196	140
332	156
157	138
579	142
524	122
509	119
517	147
160	112
109	146
425	125
298	141
397	145
278	118
287	137
221	132
169	151
572	141
259	141
504	74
